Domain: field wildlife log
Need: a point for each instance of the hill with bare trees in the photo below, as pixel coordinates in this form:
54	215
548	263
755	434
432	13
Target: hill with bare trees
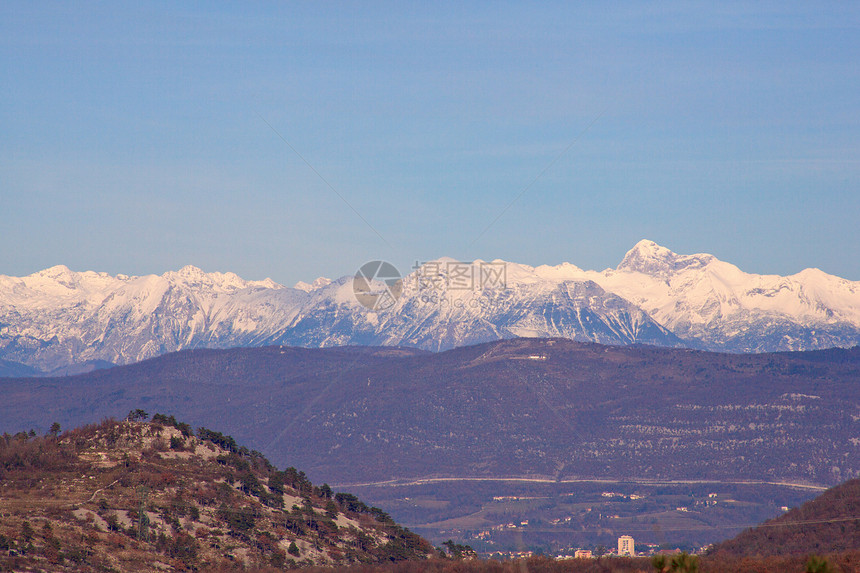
144	496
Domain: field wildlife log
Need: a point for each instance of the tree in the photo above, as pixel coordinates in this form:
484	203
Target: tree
55	429
331	509
171	421
276	483
349	502
457	551
660	563
817	564
137	415
219	439
27	532
683	563
237	518
293	549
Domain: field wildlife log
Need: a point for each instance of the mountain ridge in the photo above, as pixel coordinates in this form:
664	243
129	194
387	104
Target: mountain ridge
58	317
574	409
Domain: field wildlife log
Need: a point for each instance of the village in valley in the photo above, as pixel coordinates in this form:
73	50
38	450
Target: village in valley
631	520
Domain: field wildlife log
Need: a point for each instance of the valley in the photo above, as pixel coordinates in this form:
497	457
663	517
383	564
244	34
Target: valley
546	418
508	516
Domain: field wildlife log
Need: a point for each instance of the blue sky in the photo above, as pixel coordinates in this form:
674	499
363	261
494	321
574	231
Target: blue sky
135	139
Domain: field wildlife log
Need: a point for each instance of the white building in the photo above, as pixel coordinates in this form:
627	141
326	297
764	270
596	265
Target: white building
625	545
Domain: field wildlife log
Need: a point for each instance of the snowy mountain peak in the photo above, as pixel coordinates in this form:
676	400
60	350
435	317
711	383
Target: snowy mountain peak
57	274
564	271
511	273
440	261
56	271
649	258
269	283
308	287
57	317
192	276
54	278
191	272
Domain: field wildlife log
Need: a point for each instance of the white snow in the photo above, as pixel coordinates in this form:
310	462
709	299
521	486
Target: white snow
57	316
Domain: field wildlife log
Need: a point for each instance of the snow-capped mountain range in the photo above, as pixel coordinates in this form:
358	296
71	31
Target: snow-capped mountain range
57	317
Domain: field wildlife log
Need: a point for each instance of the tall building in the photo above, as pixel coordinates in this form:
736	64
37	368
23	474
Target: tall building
625	545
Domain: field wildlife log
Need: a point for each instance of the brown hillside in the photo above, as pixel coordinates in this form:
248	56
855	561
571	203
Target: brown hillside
830	523
526	407
137	496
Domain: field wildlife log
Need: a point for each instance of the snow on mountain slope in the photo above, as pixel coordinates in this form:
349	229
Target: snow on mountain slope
58	317
443	319
714	305
527	305
699	297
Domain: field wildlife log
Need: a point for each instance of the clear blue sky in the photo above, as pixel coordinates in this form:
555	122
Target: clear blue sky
135	140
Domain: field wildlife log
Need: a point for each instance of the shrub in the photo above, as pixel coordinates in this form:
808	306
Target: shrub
171	421
27	532
237	519
279	558
183	547
219	439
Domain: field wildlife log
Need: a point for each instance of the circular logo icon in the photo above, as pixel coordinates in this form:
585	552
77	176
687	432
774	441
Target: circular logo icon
377	285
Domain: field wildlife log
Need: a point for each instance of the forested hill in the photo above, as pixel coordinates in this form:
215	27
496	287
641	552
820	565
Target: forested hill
830	523
551	408
141	496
